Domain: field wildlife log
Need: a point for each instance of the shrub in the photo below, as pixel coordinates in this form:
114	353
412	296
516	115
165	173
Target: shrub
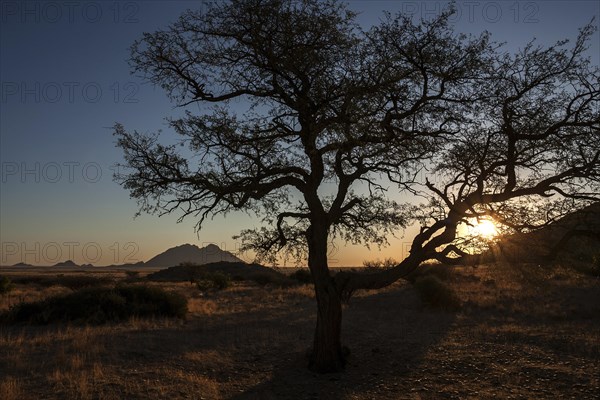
76	282
213	280
440	271
591	267
203	284
264	279
132	274
187	264
380	264
73	282
436	293
6	285
100	305
221	280
303	276
596	265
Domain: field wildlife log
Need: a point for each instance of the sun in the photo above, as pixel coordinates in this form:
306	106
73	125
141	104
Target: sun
484	228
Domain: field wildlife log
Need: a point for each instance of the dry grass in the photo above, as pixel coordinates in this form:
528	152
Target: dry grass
29	294
10	388
523	331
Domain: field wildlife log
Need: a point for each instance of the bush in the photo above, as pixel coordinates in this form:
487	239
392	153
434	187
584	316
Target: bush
203	284
73	282
595	270
265	279
302	276
213	280
221	280
436	293
100	305
6	285
590	267
440	271
380	264
132	274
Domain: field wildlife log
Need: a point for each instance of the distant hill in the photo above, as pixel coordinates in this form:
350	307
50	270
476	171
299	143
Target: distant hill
189	253
22	264
67	263
236	270
575	235
186	253
139	264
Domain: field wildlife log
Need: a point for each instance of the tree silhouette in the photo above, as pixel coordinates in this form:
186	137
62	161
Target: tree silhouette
528	154
311	117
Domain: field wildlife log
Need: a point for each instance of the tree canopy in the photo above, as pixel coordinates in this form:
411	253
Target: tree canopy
312	119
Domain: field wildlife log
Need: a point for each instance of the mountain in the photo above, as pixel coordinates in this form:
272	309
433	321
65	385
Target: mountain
139	264
189	253
22	264
67	263
576	234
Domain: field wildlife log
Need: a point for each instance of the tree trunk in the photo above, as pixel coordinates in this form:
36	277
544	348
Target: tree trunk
327	354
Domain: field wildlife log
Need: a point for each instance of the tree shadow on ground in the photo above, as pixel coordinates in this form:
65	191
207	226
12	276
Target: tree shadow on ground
388	334
261	353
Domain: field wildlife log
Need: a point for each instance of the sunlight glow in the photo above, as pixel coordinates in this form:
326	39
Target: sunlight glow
485	228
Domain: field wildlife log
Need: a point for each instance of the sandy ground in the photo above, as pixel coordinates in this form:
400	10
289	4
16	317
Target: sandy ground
522	332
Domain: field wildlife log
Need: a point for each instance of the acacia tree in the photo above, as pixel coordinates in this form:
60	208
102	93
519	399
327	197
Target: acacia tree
310	114
531	152
528	154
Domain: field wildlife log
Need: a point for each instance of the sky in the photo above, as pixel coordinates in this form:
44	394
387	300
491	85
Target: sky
65	82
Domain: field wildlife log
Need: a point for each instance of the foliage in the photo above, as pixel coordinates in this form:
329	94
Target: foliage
314	119
6	285
380	264
212	280
296	61
265	279
303	276
188	264
440	271
436	293
100	305
504	145
595	268
73	282
132	274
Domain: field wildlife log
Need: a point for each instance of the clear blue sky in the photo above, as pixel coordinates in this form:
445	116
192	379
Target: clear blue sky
65	82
